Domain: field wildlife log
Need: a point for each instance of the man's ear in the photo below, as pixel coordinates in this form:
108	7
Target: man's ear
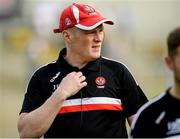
66	35
169	62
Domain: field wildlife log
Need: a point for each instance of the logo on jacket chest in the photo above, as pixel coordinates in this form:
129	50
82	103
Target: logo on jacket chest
54	77
100	82
53	82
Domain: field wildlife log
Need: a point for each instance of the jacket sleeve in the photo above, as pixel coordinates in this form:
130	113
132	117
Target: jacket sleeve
133	97
33	97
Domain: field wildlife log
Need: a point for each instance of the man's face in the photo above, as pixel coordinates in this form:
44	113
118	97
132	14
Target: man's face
86	45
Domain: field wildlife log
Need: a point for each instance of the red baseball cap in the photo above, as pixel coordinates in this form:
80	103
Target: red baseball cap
82	16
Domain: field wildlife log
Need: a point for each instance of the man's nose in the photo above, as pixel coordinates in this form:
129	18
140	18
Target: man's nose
98	36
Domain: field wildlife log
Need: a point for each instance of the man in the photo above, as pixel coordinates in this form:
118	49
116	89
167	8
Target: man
160	118
81	94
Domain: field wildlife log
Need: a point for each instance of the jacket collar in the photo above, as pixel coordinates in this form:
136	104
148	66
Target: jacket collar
63	65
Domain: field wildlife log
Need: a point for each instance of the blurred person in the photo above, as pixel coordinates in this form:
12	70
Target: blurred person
160	117
82	94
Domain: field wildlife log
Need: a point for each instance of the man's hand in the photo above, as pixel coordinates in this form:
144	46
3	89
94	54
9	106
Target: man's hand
71	84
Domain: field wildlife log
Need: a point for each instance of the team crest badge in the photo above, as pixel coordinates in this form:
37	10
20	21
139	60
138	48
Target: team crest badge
100	82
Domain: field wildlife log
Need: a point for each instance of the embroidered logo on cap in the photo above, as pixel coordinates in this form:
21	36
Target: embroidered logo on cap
90	10
67	21
100	81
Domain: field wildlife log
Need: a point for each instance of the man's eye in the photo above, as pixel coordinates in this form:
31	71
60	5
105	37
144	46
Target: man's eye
90	32
93	32
101	30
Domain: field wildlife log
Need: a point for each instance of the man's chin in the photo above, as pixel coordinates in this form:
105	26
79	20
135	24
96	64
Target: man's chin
95	57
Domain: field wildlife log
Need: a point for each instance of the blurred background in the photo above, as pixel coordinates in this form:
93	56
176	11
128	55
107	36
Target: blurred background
138	39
